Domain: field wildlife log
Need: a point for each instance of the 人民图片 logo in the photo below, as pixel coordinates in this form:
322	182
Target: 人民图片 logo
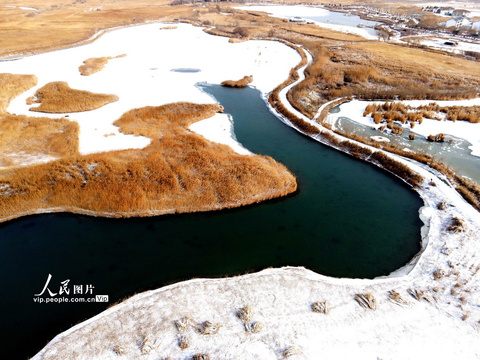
63	291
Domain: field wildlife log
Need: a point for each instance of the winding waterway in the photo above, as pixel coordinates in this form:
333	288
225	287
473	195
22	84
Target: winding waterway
348	219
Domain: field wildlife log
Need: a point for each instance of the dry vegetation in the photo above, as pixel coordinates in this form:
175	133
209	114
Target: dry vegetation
58	97
394	111
13	85
178	172
24	139
57	24
238	83
93	65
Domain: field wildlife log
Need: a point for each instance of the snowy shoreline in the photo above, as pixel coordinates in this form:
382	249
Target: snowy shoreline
442	323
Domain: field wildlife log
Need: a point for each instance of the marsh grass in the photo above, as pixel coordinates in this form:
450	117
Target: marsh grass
399	112
179	171
24	139
243	82
58	97
93	65
12	85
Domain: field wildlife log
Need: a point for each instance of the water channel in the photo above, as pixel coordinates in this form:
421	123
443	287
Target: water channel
348	219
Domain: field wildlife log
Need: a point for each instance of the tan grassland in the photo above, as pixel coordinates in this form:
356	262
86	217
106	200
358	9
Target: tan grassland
13	85
58	24
179	171
22	138
93	65
58	97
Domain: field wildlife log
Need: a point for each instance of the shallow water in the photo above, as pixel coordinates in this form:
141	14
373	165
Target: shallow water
347	219
456	154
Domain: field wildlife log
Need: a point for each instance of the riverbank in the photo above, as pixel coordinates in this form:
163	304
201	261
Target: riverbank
429	305
160	80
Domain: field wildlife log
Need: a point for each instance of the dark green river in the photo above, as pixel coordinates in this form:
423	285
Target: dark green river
348	219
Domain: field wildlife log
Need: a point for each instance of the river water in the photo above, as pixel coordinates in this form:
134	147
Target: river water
348	219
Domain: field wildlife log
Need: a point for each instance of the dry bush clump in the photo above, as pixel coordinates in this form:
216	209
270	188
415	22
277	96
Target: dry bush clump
396	298
201	357
58	97
179	171
420	295
238	83
438	274
442	205
183	342
245	314
148	344
436	138
183	324
320	307
93	65
209	328
367	301
456	225
256	327
292	351
119	350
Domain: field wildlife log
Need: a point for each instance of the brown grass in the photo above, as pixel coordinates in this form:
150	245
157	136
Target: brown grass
238	83
396	111
93	65
24	139
179	172
12	85
59	24
58	97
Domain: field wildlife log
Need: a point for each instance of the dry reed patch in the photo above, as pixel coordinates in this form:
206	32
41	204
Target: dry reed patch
27	139
12	85
179	171
58	97
93	65
396	111
238	83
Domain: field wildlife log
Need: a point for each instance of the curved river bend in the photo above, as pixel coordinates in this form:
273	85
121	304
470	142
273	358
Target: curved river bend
349	219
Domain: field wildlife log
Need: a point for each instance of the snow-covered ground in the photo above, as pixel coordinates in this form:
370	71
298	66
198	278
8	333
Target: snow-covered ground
462	129
146	76
310	14
20	7
439	43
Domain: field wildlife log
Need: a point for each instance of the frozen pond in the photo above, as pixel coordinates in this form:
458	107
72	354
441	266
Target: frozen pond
338	21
